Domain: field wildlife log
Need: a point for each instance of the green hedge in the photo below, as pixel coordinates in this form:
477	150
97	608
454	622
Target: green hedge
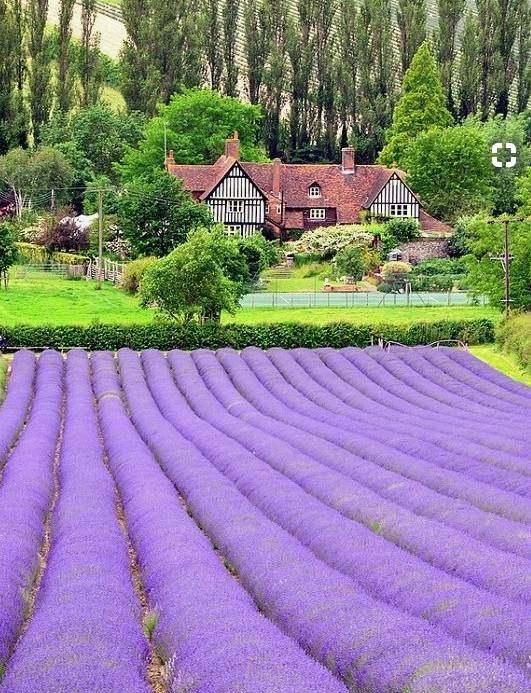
31	253
514	336
287	335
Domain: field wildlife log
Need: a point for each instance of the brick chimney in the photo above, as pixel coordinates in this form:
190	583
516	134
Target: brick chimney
348	163
170	159
232	146
276	176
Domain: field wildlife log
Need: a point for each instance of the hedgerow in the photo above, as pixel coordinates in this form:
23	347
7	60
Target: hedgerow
31	253
168	335
514	335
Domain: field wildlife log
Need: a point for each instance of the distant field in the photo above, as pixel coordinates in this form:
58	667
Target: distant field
55	301
360	314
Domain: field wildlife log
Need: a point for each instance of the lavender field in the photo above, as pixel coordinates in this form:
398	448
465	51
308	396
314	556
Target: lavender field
264	522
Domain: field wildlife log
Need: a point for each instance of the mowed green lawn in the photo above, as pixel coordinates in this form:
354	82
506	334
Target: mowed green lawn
51	300
39	300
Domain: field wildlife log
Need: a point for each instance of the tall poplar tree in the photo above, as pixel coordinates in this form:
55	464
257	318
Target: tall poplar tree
140	80
325	121
487	27
20	119
275	75
230	32
450	15
7	75
65	76
257	39
212	42
301	43
377	76
347	66
506	31
469	68
39	72
421	106
411	19
90	72
523	56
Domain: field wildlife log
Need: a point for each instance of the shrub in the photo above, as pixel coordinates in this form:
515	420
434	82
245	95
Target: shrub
167	335
133	273
32	254
514	335
325	242
351	262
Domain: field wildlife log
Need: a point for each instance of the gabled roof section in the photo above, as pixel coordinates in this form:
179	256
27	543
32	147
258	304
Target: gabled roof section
224	166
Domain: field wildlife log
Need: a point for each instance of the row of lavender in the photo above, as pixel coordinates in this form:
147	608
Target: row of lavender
396	580
375	550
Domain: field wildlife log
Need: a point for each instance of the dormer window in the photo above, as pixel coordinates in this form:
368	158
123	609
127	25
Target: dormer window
314	190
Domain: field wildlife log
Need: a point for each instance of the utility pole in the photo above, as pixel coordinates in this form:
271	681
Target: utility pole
505	260
100	237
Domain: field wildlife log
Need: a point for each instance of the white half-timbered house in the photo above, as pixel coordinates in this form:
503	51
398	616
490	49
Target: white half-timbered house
280	198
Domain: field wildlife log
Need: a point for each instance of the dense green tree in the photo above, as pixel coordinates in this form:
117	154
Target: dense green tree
485	276
230	32
7	75
422	105
450	170
469	68
347	67
503	180
100	134
155	213
325	49
506	31
523	56
20	115
352	262
196	124
90	74
523	193
39	72
450	15
140	79
487	27
256	31
33	175
8	251
411	19
65	73
376	78
212	37
194	281
301	44
275	73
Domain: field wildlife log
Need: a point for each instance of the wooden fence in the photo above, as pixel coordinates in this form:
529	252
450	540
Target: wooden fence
111	271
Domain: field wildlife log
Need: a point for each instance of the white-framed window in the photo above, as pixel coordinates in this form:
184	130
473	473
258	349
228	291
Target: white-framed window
279	209
236	207
234	229
317	213
314	190
399	210
267	208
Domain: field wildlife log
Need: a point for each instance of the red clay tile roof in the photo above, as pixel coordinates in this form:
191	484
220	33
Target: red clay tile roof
348	193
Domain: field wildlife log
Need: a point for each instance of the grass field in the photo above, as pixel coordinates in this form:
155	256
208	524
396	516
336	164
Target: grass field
360	314
55	301
504	362
299	281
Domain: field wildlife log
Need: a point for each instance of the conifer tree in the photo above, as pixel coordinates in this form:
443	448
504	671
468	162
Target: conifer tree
325	135
301	43
450	14
347	67
469	68
7	75
65	76
230	31
421	106
39	72
487	26
275	74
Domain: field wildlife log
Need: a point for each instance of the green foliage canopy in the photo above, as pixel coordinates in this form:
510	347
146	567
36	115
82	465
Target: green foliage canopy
198	279
450	170
422	105
352	262
196	124
156	214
